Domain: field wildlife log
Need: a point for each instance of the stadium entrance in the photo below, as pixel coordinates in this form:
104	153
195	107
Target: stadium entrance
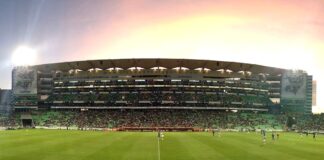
26	120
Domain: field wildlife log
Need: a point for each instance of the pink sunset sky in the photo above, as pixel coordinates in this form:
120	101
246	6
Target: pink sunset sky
286	34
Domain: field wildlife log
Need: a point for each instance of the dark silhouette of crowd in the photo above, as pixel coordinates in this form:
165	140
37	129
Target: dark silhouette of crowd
150	118
309	122
165	118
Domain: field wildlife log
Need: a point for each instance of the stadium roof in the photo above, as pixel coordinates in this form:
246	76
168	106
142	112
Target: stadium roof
166	63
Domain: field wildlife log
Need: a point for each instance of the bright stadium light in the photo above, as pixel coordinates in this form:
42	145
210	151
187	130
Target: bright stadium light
24	56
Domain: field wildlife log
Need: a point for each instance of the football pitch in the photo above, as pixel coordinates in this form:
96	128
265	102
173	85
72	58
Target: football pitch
100	145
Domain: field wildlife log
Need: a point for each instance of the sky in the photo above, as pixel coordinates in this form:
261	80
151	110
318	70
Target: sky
286	34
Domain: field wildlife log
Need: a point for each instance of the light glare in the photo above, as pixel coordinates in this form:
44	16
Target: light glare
23	56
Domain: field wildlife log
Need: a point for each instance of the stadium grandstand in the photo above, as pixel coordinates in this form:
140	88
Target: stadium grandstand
174	94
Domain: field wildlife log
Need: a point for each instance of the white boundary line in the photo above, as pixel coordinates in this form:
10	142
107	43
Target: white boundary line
159	156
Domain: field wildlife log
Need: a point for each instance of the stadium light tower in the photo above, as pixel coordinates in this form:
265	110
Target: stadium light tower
24	56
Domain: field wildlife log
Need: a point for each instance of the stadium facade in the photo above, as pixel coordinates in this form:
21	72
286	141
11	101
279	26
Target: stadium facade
159	84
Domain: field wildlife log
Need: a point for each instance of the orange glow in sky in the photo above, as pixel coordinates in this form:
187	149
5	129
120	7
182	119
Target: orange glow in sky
275	33
286	34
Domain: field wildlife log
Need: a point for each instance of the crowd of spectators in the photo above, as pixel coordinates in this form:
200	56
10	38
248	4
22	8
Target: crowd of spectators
310	122
155	118
9	121
166	118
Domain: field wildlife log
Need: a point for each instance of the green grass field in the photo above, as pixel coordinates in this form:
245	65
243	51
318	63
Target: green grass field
95	145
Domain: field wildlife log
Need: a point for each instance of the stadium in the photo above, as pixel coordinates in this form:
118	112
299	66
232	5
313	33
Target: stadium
186	98
158	86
